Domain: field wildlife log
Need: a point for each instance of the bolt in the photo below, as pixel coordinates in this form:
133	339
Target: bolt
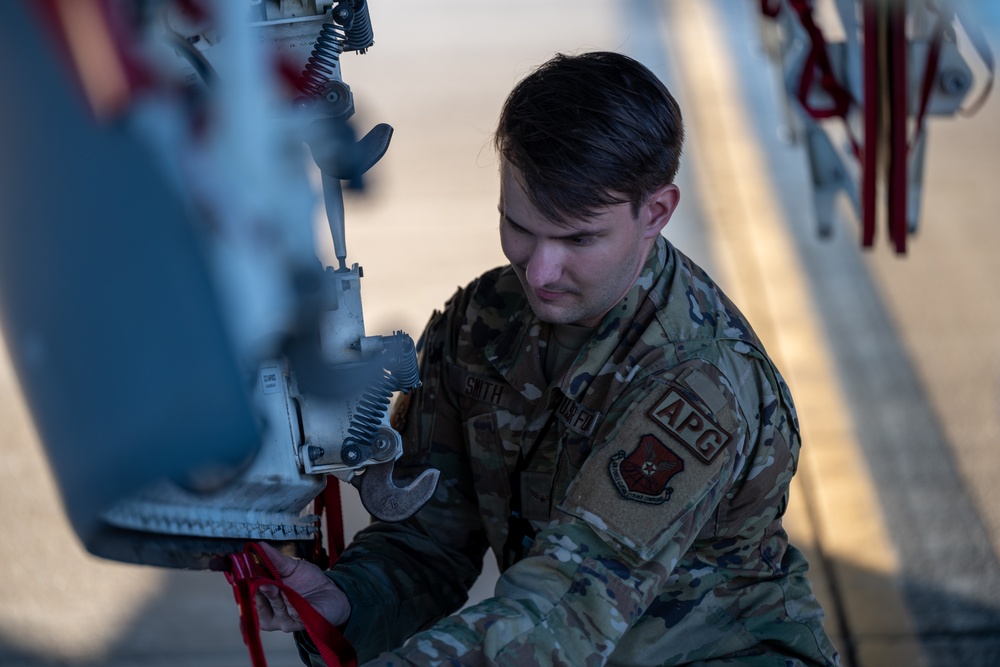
381	443
953	81
315	453
342	14
351	454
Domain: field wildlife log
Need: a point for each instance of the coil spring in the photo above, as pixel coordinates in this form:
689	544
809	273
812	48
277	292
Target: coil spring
324	59
359	33
371	407
406	370
403	374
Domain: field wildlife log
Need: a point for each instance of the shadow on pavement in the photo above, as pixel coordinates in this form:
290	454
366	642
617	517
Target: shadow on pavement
194	623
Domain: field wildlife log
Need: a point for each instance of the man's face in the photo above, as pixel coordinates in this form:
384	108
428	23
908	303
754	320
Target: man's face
573	273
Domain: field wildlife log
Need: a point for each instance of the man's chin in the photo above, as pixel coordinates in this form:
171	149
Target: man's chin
552	314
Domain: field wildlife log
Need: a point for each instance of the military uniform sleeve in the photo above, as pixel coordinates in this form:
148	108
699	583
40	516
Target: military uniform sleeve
659	479
636	507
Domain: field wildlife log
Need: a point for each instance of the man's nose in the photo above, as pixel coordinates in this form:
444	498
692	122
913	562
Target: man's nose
544	266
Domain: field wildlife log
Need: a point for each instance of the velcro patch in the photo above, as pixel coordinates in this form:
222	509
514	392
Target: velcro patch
475	386
644	475
577	417
656	477
690	425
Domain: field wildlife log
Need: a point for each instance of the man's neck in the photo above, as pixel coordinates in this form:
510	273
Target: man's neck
564	343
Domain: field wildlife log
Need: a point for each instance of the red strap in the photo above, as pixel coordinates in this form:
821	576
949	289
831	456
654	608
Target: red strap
240	576
248	572
328	502
898	153
930	69
818	69
818	64
871	102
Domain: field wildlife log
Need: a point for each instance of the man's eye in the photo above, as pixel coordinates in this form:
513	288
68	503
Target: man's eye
581	240
513	225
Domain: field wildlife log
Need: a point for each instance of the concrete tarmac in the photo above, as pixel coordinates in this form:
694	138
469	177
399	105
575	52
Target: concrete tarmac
894	362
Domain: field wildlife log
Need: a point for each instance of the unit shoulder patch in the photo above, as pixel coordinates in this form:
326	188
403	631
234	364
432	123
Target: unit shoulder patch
644	475
690	425
656	475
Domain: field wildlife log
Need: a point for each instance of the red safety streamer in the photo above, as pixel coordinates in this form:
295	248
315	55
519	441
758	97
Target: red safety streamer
251	569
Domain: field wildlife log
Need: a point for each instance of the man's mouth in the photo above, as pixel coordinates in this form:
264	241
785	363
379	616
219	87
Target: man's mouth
550	295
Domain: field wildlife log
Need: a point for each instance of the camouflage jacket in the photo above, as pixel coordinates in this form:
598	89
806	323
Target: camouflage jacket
654	472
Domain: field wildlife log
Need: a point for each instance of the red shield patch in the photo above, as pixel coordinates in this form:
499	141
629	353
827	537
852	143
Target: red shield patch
644	474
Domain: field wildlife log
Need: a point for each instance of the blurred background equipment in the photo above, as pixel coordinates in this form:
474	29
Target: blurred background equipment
193	371
861	78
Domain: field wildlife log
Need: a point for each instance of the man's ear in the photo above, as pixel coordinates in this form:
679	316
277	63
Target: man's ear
658	208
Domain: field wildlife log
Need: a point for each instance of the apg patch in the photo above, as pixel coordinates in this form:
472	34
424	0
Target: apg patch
644	474
690	425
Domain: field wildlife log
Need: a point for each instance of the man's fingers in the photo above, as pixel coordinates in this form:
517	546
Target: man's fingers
282	563
308	581
274	612
269	598
265	613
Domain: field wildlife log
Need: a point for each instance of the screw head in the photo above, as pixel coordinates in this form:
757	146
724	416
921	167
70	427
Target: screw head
350	454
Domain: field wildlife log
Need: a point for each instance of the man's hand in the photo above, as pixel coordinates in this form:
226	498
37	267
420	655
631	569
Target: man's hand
308	580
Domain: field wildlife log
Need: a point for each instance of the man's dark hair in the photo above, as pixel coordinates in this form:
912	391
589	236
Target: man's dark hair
590	131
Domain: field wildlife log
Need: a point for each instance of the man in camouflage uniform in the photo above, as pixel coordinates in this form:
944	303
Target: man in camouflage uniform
604	419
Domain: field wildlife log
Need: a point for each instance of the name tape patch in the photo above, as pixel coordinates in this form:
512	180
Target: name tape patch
483	390
577	417
690	425
475	386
